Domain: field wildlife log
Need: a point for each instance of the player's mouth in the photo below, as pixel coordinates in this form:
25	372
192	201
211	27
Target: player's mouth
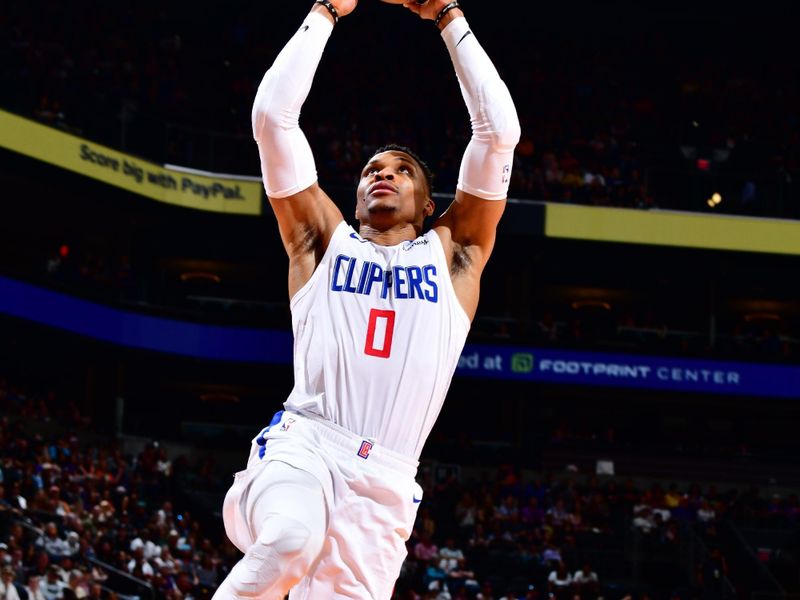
381	188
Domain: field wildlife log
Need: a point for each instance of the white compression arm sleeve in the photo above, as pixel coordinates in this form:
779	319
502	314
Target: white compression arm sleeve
287	163
486	167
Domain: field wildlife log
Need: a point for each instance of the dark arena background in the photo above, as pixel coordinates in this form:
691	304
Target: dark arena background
629	398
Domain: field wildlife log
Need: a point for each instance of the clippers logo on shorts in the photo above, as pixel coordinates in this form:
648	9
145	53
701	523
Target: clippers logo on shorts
287	424
364	451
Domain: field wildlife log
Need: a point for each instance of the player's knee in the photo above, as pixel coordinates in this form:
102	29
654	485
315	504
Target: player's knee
280	557
291	539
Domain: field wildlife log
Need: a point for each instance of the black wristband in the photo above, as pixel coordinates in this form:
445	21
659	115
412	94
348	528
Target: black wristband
445	10
331	9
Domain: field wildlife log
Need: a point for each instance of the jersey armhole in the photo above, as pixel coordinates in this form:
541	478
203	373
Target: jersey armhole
342	230
437	243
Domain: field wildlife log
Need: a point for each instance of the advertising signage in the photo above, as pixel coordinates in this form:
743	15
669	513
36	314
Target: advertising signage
179	186
538	365
628	370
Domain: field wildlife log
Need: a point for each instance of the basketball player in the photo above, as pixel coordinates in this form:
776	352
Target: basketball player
380	317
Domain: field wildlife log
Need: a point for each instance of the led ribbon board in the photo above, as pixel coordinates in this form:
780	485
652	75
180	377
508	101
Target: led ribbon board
179	186
575	367
143	332
242	344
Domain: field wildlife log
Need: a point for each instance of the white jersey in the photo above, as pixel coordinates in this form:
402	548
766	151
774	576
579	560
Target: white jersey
378	332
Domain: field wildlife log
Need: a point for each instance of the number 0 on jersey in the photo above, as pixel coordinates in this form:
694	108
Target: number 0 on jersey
379	333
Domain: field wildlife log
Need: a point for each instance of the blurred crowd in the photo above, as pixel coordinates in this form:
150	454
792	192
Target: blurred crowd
764	336
81	519
602	124
513	537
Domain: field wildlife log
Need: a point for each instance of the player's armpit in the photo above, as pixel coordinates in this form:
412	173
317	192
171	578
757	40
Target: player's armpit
470	223
306	221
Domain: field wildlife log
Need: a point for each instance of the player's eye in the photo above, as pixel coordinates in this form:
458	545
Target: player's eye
405	170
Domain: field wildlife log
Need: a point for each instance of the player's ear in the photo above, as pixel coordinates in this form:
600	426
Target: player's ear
430	207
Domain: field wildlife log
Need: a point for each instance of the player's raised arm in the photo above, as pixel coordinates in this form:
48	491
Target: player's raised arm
486	167
306	216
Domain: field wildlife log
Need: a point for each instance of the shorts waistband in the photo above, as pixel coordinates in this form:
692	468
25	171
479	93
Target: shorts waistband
360	446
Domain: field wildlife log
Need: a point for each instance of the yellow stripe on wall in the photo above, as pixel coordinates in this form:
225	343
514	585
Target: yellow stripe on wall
172	185
667	228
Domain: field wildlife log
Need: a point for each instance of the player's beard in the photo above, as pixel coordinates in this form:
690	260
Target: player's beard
378	208
382	205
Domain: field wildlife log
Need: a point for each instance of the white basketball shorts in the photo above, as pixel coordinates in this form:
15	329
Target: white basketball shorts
371	497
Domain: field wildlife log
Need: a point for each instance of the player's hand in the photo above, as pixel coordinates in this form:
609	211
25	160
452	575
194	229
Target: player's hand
344	7
430	10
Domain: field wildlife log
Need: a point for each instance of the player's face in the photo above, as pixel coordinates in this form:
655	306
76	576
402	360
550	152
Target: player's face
392	190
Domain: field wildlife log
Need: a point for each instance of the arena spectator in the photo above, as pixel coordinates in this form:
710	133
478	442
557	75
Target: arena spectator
52	543
558	513
8	588
34	588
507	510
95	592
531	514
559	582
706	512
453	564
672	498
552	554
712	574
207	574
466	512
15	499
586	582
425	549
53	586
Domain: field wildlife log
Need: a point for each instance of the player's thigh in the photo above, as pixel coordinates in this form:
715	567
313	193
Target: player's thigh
286	493
365	542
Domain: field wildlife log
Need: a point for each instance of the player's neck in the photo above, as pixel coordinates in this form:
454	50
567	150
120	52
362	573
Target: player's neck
389	237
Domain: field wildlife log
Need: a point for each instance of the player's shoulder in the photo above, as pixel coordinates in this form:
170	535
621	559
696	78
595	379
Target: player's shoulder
351	234
444	236
344	233
444	240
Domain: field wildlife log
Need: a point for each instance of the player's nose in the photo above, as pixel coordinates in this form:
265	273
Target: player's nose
385	173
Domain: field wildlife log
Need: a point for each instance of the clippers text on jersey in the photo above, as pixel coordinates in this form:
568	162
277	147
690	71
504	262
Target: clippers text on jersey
355	276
